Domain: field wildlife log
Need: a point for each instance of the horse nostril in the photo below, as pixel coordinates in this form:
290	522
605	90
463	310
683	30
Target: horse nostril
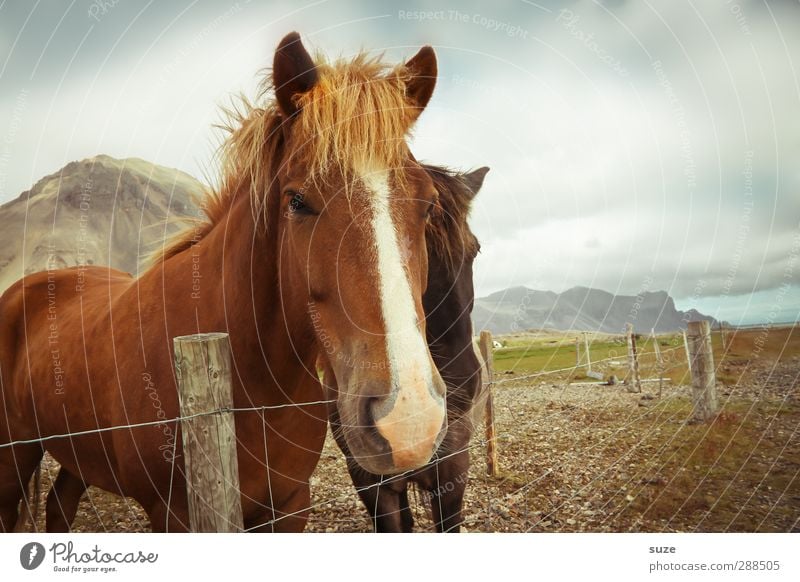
367	412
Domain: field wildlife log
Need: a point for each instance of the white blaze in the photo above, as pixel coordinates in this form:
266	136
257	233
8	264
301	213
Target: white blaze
415	416
406	349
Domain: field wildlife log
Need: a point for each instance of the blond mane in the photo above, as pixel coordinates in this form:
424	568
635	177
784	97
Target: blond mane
356	115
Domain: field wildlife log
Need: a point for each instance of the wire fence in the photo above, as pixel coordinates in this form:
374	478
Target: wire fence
477	444
222	410
577	367
176	419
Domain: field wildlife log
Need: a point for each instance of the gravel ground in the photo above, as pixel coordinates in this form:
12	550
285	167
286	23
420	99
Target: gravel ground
596	459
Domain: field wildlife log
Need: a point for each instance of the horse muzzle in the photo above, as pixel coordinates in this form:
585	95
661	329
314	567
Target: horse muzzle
400	431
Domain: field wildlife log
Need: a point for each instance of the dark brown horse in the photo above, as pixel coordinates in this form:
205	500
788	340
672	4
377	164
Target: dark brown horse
448	300
314	245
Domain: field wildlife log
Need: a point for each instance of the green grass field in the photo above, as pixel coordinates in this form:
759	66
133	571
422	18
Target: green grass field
548	352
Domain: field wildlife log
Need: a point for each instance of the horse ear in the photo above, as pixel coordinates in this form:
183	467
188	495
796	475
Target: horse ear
474	179
423	70
293	72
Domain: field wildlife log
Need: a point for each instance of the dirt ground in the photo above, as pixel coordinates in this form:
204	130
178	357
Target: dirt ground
590	458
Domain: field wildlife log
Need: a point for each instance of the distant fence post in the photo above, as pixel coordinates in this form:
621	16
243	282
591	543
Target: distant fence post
688	355
203	370
588	353
724	337
491	442
704	381
577	352
659	362
634	382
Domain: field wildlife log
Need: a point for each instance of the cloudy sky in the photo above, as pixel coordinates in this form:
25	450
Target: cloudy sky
649	145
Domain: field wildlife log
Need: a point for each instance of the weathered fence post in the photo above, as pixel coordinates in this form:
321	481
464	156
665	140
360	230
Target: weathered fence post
492	467
634	382
688	355
725	337
203	369
588	353
659	362
577	352
704	381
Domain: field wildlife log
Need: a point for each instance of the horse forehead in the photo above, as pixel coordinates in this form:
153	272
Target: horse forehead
374	178
369	187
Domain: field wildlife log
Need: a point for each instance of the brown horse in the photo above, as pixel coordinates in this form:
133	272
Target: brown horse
448	301
300	256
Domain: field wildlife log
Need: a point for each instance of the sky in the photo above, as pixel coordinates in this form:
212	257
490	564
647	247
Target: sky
633	146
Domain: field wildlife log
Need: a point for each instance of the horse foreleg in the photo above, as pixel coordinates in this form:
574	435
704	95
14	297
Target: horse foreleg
63	501
384	502
289	516
447	492
17	465
406	517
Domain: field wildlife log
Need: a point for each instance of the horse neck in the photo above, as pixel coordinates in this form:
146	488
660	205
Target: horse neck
448	303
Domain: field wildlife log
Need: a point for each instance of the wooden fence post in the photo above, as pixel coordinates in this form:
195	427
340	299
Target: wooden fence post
577	352
659	362
634	382
725	337
704	381
492	468
203	370
588	353
688	355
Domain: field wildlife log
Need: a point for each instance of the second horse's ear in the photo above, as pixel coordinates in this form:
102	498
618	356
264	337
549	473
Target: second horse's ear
423	70
293	72
474	179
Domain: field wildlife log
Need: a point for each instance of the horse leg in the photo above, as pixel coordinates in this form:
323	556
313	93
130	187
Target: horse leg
406	517
447	494
290	515
383	501
63	501
17	465
293	513
447	509
383	505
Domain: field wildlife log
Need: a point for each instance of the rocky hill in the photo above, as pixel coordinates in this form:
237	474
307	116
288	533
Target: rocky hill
97	211
579	308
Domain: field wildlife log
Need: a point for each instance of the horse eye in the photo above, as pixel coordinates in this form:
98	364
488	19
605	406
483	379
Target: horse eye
296	202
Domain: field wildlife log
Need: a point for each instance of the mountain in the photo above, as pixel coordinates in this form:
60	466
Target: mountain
100	210
579	308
